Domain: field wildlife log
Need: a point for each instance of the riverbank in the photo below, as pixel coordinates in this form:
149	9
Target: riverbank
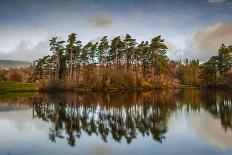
55	86
58	86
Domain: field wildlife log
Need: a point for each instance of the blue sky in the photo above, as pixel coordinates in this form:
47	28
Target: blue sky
26	25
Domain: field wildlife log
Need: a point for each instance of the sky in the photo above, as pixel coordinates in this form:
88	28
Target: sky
191	28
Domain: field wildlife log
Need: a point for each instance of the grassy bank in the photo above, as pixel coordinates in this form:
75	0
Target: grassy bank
9	86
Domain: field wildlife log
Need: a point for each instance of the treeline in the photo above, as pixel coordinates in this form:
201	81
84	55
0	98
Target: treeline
121	63
116	64
216	72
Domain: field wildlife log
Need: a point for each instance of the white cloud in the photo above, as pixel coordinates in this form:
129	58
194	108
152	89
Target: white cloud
171	46
173	52
206	42
177	54
26	50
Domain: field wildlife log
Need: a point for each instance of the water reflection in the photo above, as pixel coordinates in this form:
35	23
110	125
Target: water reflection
217	103
124	116
128	116
118	116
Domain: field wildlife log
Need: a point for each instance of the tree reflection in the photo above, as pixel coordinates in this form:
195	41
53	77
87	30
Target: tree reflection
122	116
216	102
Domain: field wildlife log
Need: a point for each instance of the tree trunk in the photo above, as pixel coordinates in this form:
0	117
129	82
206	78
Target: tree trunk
70	65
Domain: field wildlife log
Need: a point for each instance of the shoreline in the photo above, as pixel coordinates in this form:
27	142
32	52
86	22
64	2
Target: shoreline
17	87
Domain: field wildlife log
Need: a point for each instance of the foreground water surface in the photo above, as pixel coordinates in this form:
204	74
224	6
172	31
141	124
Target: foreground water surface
187	121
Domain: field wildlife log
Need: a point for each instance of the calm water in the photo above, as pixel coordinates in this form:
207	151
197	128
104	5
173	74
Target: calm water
189	121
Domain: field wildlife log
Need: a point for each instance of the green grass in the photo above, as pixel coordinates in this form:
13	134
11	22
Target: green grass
8	86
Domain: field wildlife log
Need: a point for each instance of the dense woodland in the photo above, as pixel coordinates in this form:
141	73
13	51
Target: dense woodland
121	63
115	64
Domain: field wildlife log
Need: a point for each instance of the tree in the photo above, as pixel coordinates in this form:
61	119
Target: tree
102	51
116	51
73	51
85	52
189	72
158	58
144	61
130	44
57	50
142	55
92	53
210	69
224	59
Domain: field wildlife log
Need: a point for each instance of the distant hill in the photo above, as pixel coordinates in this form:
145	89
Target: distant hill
14	64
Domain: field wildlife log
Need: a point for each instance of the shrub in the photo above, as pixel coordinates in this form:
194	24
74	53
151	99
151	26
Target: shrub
105	78
117	80
14	76
129	79
91	79
51	86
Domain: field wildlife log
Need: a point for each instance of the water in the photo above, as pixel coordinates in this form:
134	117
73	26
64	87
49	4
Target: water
188	121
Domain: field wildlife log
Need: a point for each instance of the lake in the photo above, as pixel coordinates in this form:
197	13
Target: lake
185	121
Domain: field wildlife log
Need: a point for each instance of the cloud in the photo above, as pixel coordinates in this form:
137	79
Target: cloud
171	46
177	54
101	21
216	1
216	135
27	51
206	42
173	52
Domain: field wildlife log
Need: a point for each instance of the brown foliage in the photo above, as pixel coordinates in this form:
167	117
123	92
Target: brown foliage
16	74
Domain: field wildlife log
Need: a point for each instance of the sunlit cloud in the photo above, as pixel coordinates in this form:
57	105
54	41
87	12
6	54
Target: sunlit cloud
101	21
171	46
206	42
